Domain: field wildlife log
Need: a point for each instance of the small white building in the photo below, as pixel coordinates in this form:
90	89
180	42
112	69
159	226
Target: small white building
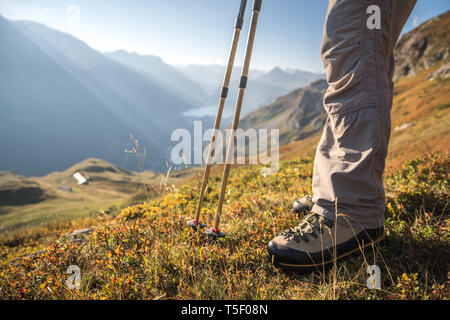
80	178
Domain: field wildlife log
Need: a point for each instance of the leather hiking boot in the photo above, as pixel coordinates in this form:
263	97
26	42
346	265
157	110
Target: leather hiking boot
303	205
317	241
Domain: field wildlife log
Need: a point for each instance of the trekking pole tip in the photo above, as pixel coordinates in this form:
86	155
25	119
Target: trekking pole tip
215	233
194	224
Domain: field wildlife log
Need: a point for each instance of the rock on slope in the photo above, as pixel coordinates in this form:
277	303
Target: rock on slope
298	114
424	47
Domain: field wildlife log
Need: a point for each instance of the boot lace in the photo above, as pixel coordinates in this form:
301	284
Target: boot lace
307	227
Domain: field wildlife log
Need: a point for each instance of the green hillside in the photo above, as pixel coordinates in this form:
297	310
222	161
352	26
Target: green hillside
57	197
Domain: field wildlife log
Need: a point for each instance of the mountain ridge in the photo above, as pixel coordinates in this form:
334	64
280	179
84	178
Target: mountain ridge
62	98
156	69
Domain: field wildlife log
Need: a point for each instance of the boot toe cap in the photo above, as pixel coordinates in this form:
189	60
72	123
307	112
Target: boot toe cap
280	252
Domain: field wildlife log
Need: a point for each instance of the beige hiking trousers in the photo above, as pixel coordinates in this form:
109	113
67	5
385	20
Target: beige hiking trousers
357	52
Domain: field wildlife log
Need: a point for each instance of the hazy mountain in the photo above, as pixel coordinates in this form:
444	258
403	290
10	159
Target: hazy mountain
209	77
263	87
62	102
289	79
155	69
298	114
257	94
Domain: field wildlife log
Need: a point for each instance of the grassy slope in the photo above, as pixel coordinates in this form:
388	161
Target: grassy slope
16	189
149	252
108	191
425	104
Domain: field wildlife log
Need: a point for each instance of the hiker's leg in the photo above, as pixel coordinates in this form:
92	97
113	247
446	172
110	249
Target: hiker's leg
350	157
351	154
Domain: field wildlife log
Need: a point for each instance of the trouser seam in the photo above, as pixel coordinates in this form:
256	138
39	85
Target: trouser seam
380	88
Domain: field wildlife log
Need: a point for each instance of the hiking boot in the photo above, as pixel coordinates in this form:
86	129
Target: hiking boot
303	205
317	241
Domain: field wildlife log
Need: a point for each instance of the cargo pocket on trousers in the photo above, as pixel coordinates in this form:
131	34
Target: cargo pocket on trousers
357	136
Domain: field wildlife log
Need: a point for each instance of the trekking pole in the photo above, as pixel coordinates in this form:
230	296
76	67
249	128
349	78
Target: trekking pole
215	231
194	223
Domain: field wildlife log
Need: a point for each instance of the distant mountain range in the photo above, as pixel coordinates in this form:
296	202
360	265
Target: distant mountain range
63	102
156	70
263	86
209	77
289	79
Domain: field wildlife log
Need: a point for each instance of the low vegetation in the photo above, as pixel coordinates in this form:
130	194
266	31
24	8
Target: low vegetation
148	251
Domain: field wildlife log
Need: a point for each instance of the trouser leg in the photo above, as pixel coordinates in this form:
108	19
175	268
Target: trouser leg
351	154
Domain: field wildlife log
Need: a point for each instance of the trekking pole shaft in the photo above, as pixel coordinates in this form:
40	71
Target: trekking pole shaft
237	111
223	97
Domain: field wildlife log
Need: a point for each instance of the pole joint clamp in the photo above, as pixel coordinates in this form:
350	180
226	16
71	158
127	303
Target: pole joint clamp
257	5
239	23
243	82
224	92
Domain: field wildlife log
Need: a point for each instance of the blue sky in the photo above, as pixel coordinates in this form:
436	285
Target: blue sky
196	31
